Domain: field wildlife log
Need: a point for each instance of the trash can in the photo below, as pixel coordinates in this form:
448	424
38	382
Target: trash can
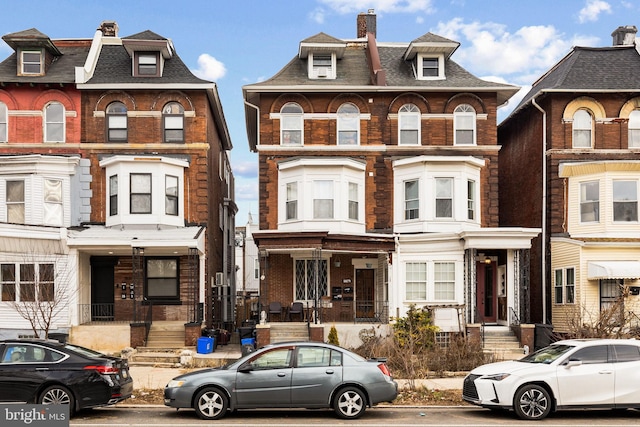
205	345
248	341
246	332
542	335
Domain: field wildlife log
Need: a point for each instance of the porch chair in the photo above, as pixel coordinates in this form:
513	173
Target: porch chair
296	308
275	307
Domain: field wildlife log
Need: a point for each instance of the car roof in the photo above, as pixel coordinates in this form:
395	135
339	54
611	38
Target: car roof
40	341
587	342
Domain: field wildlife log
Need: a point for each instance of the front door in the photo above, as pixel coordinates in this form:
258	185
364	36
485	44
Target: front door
102	288
365	294
486	291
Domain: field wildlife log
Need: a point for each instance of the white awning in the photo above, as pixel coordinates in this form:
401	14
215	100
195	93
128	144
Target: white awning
614	270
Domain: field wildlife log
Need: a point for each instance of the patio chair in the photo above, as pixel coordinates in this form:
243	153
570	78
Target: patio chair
297	308
275	307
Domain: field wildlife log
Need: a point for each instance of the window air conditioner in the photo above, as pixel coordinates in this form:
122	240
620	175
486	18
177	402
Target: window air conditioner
323	72
219	278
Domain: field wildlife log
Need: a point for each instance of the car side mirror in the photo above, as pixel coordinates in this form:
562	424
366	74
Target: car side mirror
573	362
245	368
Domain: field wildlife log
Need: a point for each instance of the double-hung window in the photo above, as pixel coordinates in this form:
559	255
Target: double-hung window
353	201
31	62
625	200
140	197
582	129
8	282
291	124
322	66
471	200
162	278
171	195
4	121
430	67
116	122
444	281
634	129
348	124
15	202
564	286
464	123
53	211
411	199
409	125
113	195
444	197
147	64
590	201
323	199
292	201
416	281
54	123
173	122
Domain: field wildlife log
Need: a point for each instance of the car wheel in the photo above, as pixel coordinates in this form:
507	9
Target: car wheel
57	395
211	404
532	402
349	403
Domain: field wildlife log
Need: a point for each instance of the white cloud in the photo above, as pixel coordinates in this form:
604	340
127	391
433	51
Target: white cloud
380	6
592	10
317	15
210	68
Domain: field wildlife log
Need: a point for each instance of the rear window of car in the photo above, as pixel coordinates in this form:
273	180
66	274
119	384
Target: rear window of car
627	353
83	351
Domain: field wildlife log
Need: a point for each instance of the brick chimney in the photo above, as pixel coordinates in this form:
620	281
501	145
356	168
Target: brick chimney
624	36
366	24
109	28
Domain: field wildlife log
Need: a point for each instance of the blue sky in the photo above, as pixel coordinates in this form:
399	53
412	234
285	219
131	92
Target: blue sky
245	41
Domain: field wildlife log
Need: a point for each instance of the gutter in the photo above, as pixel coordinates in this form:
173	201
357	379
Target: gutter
544	208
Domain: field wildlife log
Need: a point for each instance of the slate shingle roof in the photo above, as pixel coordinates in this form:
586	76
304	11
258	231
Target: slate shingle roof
62	70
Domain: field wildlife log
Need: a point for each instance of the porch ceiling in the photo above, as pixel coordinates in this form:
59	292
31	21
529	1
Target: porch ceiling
613	270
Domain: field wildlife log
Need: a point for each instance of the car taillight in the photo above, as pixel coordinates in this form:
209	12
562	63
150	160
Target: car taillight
103	370
385	370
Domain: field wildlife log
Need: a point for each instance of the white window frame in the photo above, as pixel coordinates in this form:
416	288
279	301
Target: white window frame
173	122
353	208
411	204
419	66
146	61
323	199
416	280
4	122
320	68
25	64
348	124
443	194
117	122
628	198
582	129
634	129
113	195
172	195
53	202
564	286
291	124
462	114
291	208
589	205
471	200
444	281
409	124
54	125
17	204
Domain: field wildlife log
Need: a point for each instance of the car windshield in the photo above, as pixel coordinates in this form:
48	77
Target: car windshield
548	354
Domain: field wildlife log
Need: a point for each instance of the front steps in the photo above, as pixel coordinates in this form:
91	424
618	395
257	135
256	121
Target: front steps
283	332
502	343
166	334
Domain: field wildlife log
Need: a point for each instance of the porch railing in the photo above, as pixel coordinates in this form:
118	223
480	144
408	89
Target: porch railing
106	313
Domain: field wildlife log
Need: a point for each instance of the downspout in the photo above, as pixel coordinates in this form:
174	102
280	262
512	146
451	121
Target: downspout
544	208
257	120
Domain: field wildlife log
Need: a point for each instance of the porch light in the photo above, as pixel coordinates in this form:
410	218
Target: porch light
487	260
337	262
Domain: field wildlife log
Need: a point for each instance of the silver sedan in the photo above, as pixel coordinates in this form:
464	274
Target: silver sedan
286	375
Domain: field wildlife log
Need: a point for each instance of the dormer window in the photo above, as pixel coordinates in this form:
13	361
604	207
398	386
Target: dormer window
430	67
147	64
31	62
322	66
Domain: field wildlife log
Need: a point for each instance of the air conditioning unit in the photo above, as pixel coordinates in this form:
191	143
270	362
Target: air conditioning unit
323	72
219	278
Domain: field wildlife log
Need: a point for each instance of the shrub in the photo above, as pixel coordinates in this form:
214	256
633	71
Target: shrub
333	336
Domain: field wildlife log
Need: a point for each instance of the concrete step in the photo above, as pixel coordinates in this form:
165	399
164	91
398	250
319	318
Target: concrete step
283	332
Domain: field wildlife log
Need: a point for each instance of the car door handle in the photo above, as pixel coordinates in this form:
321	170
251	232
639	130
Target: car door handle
42	369
606	372
329	371
282	374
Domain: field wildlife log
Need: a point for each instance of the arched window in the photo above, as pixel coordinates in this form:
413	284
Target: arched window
173	122
54	122
116	122
582	129
291	124
4	122
409	125
634	129
464	123
348	124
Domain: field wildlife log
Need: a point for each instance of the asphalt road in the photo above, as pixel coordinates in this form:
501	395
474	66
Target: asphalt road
375	417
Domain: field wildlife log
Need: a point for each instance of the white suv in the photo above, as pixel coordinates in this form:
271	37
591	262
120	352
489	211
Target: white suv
570	374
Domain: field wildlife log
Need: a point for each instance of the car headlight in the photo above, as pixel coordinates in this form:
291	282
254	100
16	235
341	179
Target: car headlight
496	377
175	384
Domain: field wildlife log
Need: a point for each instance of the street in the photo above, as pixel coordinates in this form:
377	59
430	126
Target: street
379	417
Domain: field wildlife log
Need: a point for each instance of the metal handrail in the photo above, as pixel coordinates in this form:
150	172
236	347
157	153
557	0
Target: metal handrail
514	316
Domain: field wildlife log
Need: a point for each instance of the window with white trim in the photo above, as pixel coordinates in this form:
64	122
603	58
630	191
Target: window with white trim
54	122
146	64
31	62
173	122
14	198
292	200
409	125
4	122
590	201
53	212
471	199
116	122
444	281
564	286
444	197
634	129
416	281
464	124
113	195
429	66
291	124
27	282
625	201
171	195
8	282
412	199
582	129
322	199
353	207
348	124
322	66
140	195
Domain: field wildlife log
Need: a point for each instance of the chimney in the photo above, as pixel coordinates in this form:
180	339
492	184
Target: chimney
109	28
624	36
366	24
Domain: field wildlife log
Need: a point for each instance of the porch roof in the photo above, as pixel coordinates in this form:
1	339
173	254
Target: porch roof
613	270
292	241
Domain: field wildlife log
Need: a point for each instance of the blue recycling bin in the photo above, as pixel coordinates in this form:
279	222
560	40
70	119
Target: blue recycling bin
248	341
205	345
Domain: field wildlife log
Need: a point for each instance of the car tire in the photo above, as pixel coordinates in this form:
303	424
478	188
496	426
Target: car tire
57	395
532	402
211	404
349	403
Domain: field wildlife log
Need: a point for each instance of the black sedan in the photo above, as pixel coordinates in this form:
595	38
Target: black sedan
49	372
286	375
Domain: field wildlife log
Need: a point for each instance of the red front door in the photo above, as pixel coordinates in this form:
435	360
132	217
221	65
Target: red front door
486	300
